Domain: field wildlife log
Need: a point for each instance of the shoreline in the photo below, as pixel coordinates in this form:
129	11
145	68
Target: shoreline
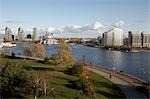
122	75
130	90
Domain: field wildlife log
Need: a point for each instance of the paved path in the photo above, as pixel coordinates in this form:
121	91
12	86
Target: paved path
128	89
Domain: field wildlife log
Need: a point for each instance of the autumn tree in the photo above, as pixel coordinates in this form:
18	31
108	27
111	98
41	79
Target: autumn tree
84	83
63	55
35	50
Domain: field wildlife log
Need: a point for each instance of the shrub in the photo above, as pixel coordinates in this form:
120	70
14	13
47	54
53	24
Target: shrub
77	69
46	60
85	85
14	81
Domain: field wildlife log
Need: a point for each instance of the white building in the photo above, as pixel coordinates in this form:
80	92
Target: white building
135	39
113	37
8	35
146	39
49	38
2	38
35	36
20	34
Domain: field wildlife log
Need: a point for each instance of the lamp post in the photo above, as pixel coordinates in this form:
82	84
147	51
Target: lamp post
114	68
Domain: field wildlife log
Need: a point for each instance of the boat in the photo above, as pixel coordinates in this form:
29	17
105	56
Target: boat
135	51
8	44
71	44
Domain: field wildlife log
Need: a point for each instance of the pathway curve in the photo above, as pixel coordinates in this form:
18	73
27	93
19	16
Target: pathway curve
128	89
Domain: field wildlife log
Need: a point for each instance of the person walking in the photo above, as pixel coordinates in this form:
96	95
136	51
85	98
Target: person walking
110	76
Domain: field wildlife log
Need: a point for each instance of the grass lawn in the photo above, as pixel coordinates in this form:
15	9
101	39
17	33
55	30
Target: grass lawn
62	83
25	62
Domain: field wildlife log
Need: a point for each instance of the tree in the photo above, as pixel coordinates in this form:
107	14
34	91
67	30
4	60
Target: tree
40	84
85	85
14	81
63	55
35	50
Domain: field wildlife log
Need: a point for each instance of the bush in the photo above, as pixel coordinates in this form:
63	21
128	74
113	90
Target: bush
86	86
14	81
77	69
145	89
46	60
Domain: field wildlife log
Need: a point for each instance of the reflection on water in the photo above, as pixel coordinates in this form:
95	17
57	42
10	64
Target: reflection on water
136	64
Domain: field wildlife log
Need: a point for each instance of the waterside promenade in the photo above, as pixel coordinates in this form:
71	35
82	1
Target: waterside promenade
127	83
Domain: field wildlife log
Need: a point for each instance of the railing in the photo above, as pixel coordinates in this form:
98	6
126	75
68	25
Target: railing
124	76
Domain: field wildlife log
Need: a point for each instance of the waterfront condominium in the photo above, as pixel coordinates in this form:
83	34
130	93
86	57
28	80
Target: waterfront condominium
146	39
139	39
135	39
113	37
20	34
8	35
35	35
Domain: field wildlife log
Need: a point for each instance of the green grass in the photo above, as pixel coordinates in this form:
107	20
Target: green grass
24	62
62	83
105	88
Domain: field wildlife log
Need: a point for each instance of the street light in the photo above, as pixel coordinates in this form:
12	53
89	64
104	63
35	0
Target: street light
114	68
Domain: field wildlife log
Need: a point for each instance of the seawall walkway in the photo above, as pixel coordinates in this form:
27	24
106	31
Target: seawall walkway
126	84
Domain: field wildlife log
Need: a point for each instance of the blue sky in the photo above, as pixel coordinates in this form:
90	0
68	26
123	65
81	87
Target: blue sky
61	13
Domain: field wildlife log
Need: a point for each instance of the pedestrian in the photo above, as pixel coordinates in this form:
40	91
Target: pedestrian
110	76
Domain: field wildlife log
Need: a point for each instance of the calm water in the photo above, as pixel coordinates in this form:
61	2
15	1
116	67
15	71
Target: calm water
136	64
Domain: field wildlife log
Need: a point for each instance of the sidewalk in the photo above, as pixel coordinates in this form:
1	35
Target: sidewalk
130	91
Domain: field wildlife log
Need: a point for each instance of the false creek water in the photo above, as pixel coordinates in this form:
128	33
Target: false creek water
133	63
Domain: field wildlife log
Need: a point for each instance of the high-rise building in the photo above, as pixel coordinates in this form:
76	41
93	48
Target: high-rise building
139	39
145	39
35	35
2	36
8	35
113	37
135	39
20	34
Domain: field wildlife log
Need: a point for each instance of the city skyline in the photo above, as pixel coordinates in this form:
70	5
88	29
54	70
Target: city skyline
76	17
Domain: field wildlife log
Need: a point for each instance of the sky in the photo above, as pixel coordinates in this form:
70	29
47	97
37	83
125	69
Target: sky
75	18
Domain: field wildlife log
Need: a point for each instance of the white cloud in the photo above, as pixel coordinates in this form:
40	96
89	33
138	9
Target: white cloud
89	30
2	31
98	25
51	29
119	24
95	27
